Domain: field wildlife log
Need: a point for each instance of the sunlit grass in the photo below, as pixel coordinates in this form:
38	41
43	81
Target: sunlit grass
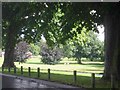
63	72
83	79
34	63
96	67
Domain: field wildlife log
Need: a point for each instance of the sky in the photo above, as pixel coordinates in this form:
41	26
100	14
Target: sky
43	38
101	33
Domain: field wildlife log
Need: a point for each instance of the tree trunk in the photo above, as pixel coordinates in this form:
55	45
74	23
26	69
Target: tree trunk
79	61
108	38
112	43
9	48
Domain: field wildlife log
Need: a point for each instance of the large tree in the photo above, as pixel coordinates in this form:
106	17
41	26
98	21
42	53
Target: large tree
112	42
103	13
56	21
27	19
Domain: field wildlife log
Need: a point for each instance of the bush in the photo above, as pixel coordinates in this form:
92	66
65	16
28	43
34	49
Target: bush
21	52
50	56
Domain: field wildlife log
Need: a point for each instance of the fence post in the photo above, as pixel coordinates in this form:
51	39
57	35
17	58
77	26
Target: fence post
75	76
2	69
14	70
48	74
21	70
38	71
9	69
29	71
93	80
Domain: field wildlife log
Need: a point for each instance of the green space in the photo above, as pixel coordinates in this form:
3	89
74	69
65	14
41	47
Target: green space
92	67
42	34
63	73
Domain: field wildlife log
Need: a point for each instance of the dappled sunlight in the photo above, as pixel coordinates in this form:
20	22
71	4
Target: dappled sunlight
64	40
1	61
91	67
82	68
83	79
61	70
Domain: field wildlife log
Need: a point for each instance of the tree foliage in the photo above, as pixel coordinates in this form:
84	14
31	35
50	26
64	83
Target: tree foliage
85	45
27	19
56	21
94	48
50	19
21	50
67	49
50	55
35	48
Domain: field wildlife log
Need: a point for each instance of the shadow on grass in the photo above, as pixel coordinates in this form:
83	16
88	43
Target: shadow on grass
82	81
34	63
45	64
94	64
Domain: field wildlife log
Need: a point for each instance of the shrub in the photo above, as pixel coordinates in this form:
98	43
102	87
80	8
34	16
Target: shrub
50	56
21	52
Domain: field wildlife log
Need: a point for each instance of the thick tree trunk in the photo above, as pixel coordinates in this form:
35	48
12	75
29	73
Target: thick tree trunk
9	48
112	43
108	38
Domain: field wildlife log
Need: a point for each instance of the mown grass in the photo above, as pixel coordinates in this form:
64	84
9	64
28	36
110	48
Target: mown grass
63	73
92	67
96	67
83	79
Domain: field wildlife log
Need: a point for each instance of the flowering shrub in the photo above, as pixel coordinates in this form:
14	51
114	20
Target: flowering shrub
21	52
50	56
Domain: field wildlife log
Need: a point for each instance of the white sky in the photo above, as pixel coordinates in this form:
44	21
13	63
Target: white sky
43	38
101	33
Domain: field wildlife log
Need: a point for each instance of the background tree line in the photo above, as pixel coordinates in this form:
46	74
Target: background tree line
86	45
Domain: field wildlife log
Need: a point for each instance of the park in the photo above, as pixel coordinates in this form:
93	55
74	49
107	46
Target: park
57	42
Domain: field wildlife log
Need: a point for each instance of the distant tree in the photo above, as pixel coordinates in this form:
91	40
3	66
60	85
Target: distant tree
87	45
50	55
79	45
21	52
94	48
78	52
35	49
67	49
0	52
101	51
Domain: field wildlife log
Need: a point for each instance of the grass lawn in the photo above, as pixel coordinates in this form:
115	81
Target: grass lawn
35	62
63	73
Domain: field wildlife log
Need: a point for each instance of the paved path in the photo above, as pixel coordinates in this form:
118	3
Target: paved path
11	81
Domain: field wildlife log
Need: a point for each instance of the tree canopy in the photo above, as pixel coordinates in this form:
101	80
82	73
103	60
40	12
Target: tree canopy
56	20
34	19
